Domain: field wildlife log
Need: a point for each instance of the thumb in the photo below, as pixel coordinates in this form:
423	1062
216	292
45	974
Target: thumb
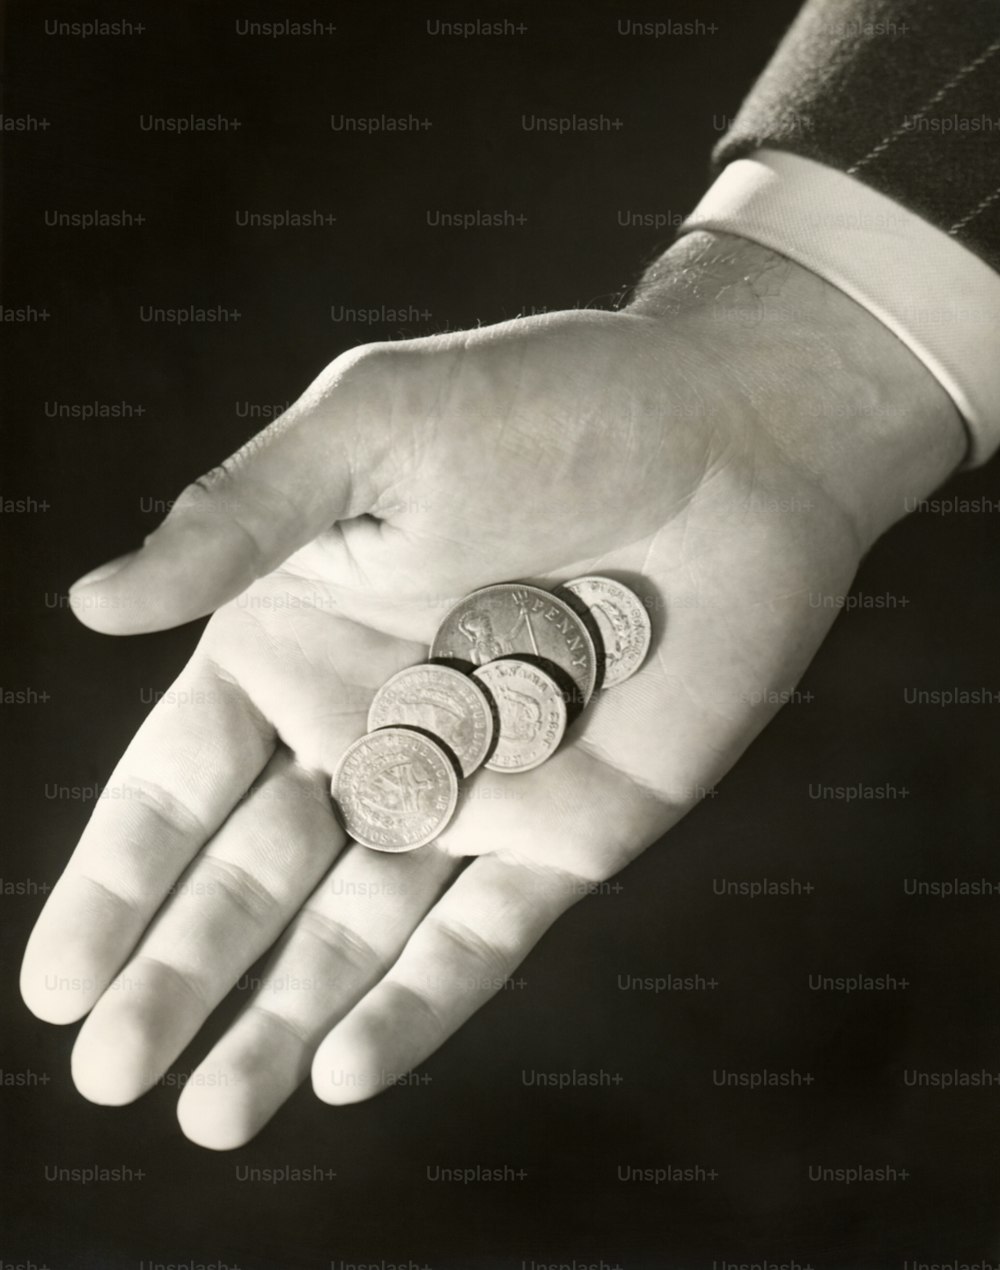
317	464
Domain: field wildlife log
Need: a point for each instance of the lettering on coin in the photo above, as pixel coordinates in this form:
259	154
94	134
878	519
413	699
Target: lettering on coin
514	618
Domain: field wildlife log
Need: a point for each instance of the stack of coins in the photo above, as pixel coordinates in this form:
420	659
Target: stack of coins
511	665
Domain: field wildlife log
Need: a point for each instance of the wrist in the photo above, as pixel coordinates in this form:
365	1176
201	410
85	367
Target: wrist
842	398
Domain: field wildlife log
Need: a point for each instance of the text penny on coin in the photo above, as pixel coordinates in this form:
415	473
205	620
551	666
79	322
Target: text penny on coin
622	620
532	713
442	701
512	618
395	789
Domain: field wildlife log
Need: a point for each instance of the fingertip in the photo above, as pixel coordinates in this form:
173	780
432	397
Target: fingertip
349	1066
108	601
239	1086
129	1039
127	604
50	994
218	1122
102	1075
79	939
102	572
91	608
51	1007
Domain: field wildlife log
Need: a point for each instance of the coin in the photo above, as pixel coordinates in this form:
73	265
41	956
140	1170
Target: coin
442	701
396	789
532	713
513	618
623	623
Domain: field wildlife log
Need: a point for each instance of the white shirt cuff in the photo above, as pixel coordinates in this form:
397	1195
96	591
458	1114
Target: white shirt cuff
938	297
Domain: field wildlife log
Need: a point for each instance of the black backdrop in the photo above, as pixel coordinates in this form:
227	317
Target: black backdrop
79	490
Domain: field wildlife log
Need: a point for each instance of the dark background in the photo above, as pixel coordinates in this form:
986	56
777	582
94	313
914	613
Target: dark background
82	491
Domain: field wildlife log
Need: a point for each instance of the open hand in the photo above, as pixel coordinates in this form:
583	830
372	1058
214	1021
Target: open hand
670	445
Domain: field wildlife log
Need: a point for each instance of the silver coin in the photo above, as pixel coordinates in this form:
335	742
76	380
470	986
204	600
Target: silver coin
532	712
442	701
513	618
395	789
623	623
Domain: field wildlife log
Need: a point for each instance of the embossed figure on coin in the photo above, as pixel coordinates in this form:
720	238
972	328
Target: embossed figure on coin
520	716
622	622
484	643
531	710
395	789
518	619
613	625
398	790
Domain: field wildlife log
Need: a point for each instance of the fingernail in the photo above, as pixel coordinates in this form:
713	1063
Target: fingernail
104	572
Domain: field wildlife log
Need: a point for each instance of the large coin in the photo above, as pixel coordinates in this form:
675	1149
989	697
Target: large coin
512	618
622	621
532	713
396	789
442	701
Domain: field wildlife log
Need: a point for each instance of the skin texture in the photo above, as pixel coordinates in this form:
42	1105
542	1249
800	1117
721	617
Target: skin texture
730	443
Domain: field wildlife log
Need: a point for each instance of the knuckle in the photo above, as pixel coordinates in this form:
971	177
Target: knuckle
342	941
422	1003
361	367
163	806
240	886
471	947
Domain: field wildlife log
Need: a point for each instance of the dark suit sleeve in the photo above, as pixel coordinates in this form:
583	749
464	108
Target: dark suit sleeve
901	94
